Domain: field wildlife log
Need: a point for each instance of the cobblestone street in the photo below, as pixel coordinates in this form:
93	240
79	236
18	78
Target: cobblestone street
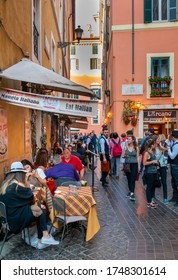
129	230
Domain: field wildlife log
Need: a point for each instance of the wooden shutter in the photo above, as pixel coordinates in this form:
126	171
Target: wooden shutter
172	10
147	11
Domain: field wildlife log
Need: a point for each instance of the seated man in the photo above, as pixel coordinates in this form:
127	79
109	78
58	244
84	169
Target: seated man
68	158
62	170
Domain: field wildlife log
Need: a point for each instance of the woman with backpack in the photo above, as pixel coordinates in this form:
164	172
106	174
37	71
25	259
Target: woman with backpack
115	153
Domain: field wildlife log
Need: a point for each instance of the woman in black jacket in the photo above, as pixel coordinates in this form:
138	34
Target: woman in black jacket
20	205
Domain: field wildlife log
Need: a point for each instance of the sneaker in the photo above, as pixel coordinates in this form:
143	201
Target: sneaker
128	195
154	202
49	240
151	205
166	201
41	246
132	197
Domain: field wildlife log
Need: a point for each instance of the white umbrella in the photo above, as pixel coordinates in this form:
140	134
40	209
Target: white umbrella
31	72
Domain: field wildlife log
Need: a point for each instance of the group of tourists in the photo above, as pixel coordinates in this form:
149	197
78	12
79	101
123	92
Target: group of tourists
150	159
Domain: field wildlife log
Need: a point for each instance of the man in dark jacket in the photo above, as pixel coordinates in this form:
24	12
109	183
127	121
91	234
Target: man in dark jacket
173	160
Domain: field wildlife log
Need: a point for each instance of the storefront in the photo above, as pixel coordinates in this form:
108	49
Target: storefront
163	121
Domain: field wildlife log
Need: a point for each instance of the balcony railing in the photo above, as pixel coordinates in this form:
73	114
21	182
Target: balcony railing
35	41
160	86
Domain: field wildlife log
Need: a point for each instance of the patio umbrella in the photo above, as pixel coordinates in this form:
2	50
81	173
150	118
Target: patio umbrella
31	72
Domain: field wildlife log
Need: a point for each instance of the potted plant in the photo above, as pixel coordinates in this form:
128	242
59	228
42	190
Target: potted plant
166	79
154	80
126	120
134	121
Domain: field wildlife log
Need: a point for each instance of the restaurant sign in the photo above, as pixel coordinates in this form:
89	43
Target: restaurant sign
50	103
159	115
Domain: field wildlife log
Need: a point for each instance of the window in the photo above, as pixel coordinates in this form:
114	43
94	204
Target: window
36	28
95	63
97	92
160	67
74	64
159	10
72	50
95	49
160	79
96	120
53	54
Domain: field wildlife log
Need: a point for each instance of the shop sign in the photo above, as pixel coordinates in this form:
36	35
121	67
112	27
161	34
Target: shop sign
159	115
79	125
49	103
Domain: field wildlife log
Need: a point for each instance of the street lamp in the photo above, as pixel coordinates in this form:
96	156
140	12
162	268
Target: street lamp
78	32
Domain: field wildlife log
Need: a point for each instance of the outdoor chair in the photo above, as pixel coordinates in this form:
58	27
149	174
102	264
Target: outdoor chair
5	231
59	207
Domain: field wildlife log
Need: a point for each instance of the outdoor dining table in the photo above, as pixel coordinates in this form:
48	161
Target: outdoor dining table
81	203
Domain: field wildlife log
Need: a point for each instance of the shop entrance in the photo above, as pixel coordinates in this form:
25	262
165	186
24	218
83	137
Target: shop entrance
162	128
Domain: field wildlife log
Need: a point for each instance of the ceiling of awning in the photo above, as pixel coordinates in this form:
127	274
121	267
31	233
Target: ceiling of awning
31	72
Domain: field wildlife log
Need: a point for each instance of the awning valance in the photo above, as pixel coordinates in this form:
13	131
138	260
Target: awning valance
53	104
31	72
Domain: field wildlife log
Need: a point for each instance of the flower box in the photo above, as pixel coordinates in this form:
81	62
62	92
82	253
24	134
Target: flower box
161	92
158	80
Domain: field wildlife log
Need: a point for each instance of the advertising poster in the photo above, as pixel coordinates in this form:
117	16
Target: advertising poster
3	135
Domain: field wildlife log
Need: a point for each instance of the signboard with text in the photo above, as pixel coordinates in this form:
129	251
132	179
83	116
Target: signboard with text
49	103
159	115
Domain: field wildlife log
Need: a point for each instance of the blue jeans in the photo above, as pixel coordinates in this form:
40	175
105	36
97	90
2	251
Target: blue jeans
115	165
174	180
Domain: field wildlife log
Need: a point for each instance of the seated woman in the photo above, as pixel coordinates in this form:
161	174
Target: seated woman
40	181
20	205
61	172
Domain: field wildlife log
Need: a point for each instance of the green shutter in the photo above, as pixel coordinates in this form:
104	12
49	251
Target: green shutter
147	11
172	10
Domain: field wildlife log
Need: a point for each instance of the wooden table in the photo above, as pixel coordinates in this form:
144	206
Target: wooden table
81	204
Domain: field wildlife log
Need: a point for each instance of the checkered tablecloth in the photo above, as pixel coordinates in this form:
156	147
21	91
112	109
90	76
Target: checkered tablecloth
78	204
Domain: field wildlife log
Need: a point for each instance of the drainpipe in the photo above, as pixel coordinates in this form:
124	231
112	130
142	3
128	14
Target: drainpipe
133	45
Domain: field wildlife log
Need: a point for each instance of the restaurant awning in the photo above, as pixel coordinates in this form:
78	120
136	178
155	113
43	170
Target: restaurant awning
31	72
53	104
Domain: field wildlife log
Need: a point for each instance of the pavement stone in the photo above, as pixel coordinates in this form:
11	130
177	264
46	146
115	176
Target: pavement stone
129	230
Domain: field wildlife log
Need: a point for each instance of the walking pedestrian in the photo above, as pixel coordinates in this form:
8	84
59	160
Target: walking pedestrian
115	153
162	161
150	162
131	155
173	160
104	156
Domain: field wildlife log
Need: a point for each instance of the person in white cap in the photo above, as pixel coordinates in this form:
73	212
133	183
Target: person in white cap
19	201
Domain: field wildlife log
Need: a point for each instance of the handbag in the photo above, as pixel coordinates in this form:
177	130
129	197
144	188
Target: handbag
105	166
126	167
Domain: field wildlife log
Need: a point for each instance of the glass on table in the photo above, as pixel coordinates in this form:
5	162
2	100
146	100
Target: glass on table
72	189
